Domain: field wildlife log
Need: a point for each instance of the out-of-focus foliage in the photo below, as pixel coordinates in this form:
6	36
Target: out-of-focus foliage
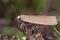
58	6
18	3
10	31
20	36
57	32
57	36
38	4
8	13
5	1
39	7
58	3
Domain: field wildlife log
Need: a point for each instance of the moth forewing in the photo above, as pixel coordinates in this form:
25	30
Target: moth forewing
43	20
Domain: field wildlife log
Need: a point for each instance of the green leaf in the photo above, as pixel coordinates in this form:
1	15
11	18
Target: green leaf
57	31
21	36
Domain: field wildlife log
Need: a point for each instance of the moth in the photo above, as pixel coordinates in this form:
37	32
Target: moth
37	27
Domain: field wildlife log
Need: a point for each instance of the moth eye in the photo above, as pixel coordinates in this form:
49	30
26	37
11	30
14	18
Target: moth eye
18	18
